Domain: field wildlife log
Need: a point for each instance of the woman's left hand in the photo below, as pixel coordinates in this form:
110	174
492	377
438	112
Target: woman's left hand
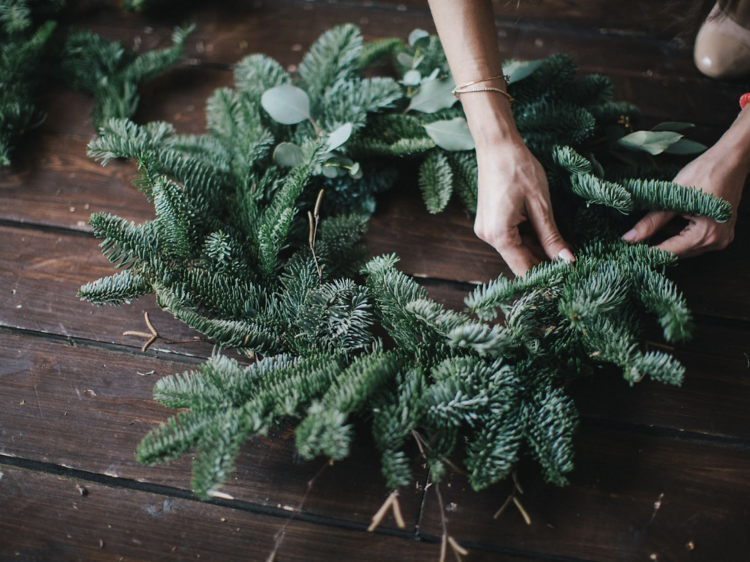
714	172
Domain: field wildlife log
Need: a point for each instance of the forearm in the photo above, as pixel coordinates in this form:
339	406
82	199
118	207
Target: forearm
467	31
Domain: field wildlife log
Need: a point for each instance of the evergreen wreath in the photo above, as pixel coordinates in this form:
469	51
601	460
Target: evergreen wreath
257	245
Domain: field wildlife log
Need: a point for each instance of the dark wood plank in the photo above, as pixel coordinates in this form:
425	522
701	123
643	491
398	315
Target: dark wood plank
632	497
45	517
87	408
638	17
56	184
41	273
713	400
229	32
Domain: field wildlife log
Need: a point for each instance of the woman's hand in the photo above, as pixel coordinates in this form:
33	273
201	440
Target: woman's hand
512	189
715	172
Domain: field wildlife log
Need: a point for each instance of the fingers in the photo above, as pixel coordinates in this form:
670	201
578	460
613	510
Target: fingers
519	259
543	221
648	226
510	246
684	245
700	236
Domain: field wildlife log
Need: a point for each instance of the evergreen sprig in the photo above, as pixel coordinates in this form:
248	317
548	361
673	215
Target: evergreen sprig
256	244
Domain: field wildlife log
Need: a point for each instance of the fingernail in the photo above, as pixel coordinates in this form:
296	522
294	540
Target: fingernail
630	236
566	255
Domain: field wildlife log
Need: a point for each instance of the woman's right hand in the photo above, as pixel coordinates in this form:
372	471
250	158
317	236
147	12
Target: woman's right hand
512	189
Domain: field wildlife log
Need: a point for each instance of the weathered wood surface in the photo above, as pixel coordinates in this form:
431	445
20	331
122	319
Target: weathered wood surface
609	512
652	73
87	408
48	518
635	444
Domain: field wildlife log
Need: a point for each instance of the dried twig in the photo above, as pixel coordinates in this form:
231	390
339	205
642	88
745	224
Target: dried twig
513	498
390	504
314	219
279	538
153	335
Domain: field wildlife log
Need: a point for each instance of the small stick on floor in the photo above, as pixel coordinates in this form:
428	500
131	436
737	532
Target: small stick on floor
281	532
392	504
512	498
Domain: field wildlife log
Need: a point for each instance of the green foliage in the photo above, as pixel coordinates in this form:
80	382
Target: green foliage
31	58
111	73
436	182
23	51
246	249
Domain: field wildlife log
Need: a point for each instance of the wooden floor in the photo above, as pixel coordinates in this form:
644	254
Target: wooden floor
662	474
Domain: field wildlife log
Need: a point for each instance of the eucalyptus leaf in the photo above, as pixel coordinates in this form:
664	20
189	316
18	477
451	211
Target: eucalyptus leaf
517	70
288	155
648	141
355	171
434	96
686	146
419	38
405	59
339	136
452	134
286	104
412	78
673	126
432	76
331	171
341	161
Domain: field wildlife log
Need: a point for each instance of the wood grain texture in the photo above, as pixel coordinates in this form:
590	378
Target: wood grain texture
45	518
228	32
609	512
640	17
40	273
87	408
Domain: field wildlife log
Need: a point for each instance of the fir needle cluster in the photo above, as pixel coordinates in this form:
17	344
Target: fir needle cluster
35	53
233	253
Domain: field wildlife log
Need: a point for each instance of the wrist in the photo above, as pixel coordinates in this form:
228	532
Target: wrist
490	119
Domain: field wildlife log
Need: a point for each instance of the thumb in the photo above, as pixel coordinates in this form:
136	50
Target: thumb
648	226
546	230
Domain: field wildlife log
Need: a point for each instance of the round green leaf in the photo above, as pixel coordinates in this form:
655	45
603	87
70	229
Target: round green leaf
339	136
412	78
331	171
517	70
288	155
432	76
673	126
434	96
419	38
686	146
453	134
405	59
355	171
648	141
286	104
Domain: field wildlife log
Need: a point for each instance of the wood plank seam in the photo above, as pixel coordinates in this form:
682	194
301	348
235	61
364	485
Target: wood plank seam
76	475
77	341
667	432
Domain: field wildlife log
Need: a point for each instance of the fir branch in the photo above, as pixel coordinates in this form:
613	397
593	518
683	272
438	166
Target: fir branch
436	182
656	195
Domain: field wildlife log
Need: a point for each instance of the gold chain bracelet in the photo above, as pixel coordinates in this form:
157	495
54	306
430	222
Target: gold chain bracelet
458	90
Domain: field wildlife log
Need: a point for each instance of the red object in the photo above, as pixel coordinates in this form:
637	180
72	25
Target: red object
744	100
